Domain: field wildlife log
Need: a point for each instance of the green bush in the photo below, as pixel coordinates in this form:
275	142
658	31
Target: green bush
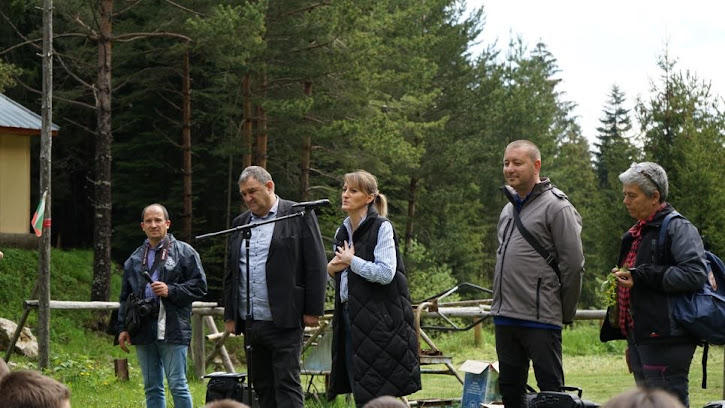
425	276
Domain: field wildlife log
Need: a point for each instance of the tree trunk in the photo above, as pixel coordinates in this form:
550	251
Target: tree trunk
306	153
230	187
260	148
100	290
247	128
186	149
411	213
260	151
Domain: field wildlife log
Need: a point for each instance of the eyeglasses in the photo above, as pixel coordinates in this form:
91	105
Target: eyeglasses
641	170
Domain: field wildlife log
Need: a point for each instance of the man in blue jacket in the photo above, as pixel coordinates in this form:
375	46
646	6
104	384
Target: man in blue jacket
164	334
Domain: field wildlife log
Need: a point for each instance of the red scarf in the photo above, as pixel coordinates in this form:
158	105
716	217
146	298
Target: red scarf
623	294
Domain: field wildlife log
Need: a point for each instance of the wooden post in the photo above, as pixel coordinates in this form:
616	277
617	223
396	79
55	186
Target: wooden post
197	344
120	367
45	190
477	334
219	346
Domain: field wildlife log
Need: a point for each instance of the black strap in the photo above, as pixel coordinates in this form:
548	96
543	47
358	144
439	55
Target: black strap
157	259
662	236
550	258
704	365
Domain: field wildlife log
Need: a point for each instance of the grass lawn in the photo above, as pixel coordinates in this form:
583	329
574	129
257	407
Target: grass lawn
598	369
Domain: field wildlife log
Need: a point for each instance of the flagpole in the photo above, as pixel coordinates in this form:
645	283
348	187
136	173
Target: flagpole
45	172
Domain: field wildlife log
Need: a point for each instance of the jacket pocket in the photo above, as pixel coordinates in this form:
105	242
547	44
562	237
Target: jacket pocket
548	296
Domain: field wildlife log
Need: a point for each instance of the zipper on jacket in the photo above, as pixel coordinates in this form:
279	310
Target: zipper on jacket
505	230
538	296
503	259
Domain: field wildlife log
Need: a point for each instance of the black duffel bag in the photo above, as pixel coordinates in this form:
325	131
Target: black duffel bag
228	386
556	399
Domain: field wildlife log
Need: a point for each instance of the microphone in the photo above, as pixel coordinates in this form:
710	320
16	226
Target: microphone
313	204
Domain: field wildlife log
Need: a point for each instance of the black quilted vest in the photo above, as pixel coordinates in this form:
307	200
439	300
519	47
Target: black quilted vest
384	341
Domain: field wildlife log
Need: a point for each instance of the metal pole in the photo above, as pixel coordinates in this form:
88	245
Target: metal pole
45	171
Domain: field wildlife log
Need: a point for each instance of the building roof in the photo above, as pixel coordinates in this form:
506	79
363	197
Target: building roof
15	116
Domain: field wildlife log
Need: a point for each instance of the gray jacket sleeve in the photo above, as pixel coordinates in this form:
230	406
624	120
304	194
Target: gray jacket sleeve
566	227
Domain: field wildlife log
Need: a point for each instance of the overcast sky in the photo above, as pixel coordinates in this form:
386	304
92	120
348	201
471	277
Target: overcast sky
601	43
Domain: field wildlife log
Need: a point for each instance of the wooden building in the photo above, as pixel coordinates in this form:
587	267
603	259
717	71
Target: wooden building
17	125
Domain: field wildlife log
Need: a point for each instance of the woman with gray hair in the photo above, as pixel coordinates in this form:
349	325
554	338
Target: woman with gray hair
659	351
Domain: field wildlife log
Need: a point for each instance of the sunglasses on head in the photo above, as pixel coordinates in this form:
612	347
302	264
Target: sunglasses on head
643	171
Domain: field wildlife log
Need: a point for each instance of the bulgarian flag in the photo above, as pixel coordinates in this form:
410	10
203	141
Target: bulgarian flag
37	221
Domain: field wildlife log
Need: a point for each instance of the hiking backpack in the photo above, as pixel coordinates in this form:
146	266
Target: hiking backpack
701	313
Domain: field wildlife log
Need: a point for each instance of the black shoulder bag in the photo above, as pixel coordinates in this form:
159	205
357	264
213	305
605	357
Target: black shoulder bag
139	308
549	257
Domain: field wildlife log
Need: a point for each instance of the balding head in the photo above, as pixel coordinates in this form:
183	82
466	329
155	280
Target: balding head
529	146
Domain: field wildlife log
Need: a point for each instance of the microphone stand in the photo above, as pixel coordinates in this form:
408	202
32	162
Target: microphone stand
249	226
246	231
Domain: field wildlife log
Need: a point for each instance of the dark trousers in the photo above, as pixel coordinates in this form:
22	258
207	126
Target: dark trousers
664	366
515	346
275	364
348	344
347	323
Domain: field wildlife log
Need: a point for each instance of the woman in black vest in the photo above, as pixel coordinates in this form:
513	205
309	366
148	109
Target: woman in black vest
374	346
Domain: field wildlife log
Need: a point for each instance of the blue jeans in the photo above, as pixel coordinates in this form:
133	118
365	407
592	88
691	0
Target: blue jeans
157	358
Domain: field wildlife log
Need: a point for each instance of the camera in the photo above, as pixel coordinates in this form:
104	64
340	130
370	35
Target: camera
146	307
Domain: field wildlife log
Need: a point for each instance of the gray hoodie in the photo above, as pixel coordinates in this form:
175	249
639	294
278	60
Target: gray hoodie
524	285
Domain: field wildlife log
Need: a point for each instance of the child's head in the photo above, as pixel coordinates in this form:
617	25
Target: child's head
31	389
385	402
644	398
225	403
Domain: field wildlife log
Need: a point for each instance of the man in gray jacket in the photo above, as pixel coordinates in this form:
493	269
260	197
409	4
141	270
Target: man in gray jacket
535	289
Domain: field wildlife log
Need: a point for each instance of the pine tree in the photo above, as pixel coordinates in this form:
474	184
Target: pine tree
572	172
684	128
614	152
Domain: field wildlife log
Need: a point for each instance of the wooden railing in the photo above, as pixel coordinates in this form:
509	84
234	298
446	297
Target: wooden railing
202	313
